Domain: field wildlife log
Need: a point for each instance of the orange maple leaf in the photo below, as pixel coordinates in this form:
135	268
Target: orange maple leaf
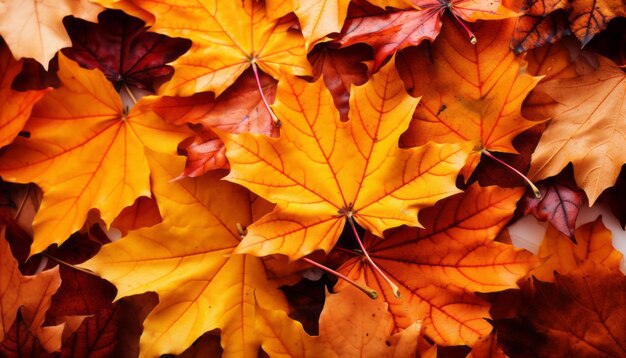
33	28
560	254
351	325
588	127
470	92
85	152
15	106
188	261
32	293
322	171
228	37
438	269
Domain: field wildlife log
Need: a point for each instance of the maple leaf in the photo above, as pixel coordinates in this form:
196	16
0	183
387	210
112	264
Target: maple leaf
239	109
588	128
359	171
320	18
559	204
120	46
228	37
533	31
130	7
342	332
470	92
19	341
388	32
101	165
586	18
33	28
32	294
582	313
438	269
560	255
143	213
340	69
16	106
188	261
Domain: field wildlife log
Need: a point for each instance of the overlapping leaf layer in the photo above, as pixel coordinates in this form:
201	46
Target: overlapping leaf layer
308	178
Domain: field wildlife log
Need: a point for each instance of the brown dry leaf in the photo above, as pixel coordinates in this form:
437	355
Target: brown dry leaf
32	293
588	128
581	313
559	254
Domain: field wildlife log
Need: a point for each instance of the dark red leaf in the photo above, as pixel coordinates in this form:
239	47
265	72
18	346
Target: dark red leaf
615	197
534	31
559	204
19	341
120	46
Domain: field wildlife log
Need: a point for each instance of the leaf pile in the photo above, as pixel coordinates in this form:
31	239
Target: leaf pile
219	177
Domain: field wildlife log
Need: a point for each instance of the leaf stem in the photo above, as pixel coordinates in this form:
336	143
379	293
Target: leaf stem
536	191
470	34
130	94
258	84
19	209
69	265
368	291
394	288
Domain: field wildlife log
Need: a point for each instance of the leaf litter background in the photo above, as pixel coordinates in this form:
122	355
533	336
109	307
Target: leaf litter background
151	203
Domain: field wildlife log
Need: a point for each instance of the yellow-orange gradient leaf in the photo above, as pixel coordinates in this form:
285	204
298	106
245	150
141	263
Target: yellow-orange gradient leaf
84	152
342	333
15	106
560	254
34	28
321	170
188	261
320	18
469	92
227	37
32	293
588	128
438	268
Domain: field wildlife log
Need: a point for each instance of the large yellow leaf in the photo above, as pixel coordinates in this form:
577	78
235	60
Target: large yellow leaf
85	152
438	268
15	106
321	171
34	28
469	92
227	37
188	260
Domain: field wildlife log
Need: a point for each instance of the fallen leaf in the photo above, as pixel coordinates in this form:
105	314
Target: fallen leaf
360	172
470	92
586	17
240	109
130	7
612	197
91	168
15	106
343	332
33	28
320	18
389	32
533	31
188	261
19	341
588	128
438	268
487	347
143	213
582	314
559	204
340	69
30	293
228	37
122	48
593	247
